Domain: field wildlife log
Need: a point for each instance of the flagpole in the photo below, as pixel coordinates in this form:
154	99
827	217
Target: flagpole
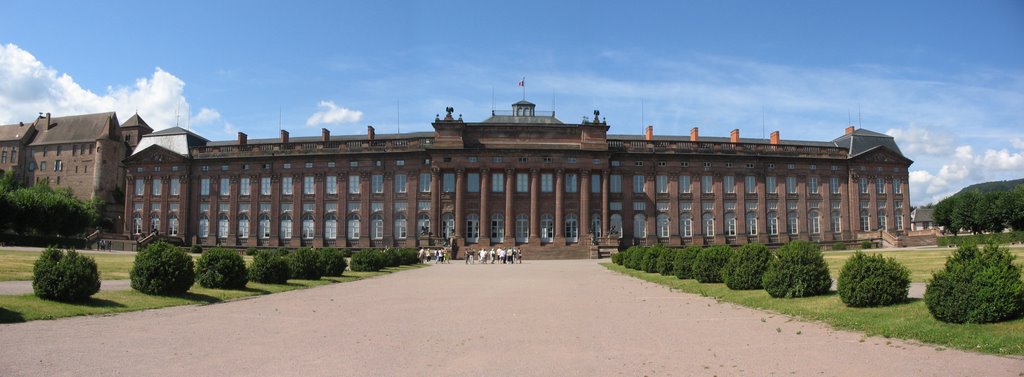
524	88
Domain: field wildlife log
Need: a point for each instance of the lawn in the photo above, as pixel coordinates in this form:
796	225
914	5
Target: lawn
909	320
17	265
921	262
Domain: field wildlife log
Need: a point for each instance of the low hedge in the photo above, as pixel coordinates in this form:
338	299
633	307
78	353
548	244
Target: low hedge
976	286
162	269
331	261
981	239
304	264
221	268
797	270
709	263
665	259
746	267
368	261
682	261
269	266
65	276
872	280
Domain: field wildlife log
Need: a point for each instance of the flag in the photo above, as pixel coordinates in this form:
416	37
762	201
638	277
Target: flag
522	82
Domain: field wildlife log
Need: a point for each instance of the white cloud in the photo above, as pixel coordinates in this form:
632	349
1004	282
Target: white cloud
28	87
921	140
964	167
332	114
1017	142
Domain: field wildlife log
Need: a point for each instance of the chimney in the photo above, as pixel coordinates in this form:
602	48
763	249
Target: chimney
242	138
284	136
849	129
693	134
649	134
48	124
325	135
734	136
775	138
369	132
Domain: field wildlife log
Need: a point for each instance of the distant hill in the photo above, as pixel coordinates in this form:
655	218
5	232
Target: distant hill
994	186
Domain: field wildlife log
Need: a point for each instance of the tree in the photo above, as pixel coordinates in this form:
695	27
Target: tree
943	214
989	212
1014	208
964	212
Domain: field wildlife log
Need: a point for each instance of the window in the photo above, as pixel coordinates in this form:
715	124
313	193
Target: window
571	160
791	185
812	185
882	220
204	187
354	164
571	184
836	222
497	228
473	182
243	226
522	228
377	184
172	225
225	186
686	225
684	184
175	186
863	185
286	185
595	183
223	168
399	162
264	185
662	226
473	228
472	159
833	185
792	223
897	186
401	227
308	188
263	227
448	181
377	226
140	187
729	182
638	184
353	186
400	184
157	186
730	224
522	160
285	231
547	228
222	226
615	225
709	225
661	184
522	182
899	221
286	165
243	187
751	224
331	227
498	182
595	225
750	184
332	185
771	185
638	163
496	159
616	183
423	224
572	228
546	182
814	220
880	185
773	223
424	182
705	184
58	165
352	224
204	226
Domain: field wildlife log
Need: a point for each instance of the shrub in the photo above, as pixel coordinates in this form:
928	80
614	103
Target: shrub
665	257
66	277
797	270
162	269
269	266
251	251
631	259
977	286
221	268
872	280
865	244
746	267
682	262
368	261
839	246
331	261
708	265
196	249
304	263
617	258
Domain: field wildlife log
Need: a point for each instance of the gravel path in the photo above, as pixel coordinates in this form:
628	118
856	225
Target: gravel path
553	318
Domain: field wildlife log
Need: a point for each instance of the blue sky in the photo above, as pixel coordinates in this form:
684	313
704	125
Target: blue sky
945	78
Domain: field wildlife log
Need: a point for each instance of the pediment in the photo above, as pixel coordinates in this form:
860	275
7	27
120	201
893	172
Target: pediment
155	154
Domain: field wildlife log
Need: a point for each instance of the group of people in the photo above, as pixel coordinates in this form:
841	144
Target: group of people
505	256
437	255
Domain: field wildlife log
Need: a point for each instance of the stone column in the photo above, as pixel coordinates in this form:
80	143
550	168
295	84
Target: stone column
584	220
435	202
605	188
275	210
364	208
534	220
510	217
675	238
343	212
485	217
389	209
650	209
460	196
719	192
559	207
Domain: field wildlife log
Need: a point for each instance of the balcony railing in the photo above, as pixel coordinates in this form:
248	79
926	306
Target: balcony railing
701	147
313	147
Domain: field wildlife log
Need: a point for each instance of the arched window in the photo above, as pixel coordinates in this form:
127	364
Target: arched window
572	228
222	226
353	227
172	225
401	227
264	227
522	228
686	225
792	223
243	226
883	220
615	226
204	226
837	222
473	228
154	222
308	224
709	225
423	224
773	223
865	221
377	226
285	233
497	228
730	224
663	228
447	225
595	225
751	223
547	228
331	227
814	222
639	226
137	224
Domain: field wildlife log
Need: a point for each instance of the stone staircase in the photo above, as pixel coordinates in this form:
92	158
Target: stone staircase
919	240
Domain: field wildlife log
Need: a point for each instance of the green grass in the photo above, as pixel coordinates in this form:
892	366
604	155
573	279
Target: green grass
921	262
29	307
909	320
17	265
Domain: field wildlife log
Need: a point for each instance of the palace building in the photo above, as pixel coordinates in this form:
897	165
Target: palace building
521	177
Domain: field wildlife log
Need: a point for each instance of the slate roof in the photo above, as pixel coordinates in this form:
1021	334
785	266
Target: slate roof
14	132
510	119
923	215
136	121
175	139
861	141
74	128
715	139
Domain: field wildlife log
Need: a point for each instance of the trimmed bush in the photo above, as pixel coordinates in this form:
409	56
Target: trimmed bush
162	269
746	267
617	258
304	264
221	268
269	266
682	261
196	249
865	245
872	280
331	261
709	263
797	270
65	277
632	257
251	251
368	261
839	246
664	262
977	286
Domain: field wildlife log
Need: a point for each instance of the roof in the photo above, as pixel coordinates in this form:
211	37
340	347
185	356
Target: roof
317	139
13	132
524	102
74	128
175	139
861	141
922	215
136	121
510	119
715	139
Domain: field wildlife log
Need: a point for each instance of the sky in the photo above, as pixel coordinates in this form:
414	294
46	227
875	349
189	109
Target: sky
945	78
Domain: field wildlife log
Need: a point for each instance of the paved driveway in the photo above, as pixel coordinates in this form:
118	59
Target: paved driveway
553	318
